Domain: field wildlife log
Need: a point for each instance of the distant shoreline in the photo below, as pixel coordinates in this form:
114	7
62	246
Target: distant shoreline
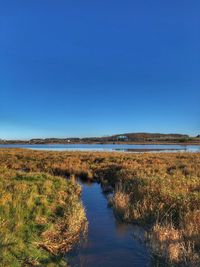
100	143
125	139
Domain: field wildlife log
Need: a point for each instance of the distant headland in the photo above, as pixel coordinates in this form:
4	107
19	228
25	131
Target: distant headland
129	138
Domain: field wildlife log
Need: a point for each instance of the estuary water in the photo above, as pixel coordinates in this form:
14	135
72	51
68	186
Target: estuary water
109	242
108	147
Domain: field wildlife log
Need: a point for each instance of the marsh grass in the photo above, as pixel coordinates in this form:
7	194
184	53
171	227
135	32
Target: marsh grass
41	218
158	190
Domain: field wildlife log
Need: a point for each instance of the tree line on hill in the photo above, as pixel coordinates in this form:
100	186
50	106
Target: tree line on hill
118	138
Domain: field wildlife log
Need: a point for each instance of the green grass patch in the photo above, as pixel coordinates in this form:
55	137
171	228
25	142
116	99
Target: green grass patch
41	218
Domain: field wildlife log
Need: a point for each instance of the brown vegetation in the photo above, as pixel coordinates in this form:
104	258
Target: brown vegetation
160	191
41	217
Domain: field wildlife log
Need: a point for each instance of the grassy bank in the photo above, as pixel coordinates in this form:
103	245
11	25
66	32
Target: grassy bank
160	191
41	218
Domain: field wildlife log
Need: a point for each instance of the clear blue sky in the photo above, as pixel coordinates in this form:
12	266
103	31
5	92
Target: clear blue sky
92	68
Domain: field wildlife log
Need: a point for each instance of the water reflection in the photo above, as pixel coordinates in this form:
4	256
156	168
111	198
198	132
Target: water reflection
108	147
109	241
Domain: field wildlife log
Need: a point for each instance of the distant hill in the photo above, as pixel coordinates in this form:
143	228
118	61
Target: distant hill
118	138
138	137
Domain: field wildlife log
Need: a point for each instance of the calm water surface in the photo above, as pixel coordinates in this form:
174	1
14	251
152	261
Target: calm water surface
109	243
108	147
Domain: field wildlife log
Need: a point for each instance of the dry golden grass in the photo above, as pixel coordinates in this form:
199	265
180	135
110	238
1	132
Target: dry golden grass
170	243
158	190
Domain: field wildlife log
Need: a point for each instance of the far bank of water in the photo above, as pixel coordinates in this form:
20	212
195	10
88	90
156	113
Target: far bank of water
109	242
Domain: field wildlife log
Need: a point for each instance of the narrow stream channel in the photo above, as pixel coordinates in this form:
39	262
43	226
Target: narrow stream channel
109	243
